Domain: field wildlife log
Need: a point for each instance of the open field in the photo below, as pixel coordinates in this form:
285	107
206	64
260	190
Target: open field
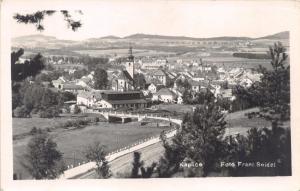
180	108
24	125
73	142
122	52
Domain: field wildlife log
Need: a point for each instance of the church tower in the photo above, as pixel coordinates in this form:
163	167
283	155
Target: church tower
130	63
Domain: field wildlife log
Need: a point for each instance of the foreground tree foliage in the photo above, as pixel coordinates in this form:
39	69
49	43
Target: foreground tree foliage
274	88
268	144
42	159
38	17
20	71
200	140
96	152
138	169
261	145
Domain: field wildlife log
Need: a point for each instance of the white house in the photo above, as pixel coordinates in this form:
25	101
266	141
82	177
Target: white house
165	95
103	104
88	98
153	88
198	85
59	82
246	82
179	100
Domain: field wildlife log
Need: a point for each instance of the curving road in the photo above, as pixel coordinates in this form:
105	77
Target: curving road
122	165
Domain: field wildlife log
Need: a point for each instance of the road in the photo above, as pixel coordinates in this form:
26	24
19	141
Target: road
122	165
153	152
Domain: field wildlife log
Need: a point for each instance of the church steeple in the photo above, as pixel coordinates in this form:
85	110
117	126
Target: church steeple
130	63
130	56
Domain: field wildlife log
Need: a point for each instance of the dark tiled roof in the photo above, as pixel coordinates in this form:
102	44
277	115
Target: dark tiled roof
125	75
89	94
132	101
198	83
72	87
117	92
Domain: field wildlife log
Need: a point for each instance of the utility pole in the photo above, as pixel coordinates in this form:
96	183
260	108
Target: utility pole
74	159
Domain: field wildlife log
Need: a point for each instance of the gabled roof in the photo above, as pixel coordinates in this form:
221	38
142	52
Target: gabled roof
58	81
226	93
153	81
89	94
131	101
159	73
72	87
199	83
85	79
125	76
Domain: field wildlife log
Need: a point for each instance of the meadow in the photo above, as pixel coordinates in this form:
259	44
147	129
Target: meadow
122	52
73	142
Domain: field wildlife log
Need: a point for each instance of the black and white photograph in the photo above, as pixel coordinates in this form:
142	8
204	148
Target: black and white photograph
149	90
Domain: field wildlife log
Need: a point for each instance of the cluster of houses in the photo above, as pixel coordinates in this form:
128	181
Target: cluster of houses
136	87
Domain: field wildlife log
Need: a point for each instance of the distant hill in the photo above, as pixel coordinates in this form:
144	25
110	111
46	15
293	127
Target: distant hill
39	37
280	35
41	41
149	36
50	42
110	37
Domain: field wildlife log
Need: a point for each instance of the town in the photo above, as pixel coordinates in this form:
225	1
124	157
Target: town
140	82
148	106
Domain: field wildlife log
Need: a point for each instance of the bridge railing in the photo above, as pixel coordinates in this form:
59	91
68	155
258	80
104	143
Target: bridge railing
153	116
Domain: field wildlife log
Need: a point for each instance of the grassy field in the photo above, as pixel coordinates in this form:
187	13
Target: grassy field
24	125
180	108
238	122
73	142
122	52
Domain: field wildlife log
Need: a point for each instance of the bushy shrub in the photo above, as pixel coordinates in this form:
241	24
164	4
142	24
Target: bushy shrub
21	112
49	113
76	109
33	130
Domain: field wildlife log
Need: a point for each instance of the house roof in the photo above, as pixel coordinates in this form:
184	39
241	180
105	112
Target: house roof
73	87
85	79
132	101
159	73
89	94
199	83
125	75
226	93
153	81
58	81
118	92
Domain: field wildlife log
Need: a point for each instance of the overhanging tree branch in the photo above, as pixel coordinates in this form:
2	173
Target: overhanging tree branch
38	17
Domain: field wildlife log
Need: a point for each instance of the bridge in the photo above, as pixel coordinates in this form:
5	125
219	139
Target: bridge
123	116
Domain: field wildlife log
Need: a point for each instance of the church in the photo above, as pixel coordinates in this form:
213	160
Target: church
125	81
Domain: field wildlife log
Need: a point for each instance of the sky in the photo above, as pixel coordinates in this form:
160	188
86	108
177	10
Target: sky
174	18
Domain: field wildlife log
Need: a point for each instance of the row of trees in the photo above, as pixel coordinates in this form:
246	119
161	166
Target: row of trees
35	98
